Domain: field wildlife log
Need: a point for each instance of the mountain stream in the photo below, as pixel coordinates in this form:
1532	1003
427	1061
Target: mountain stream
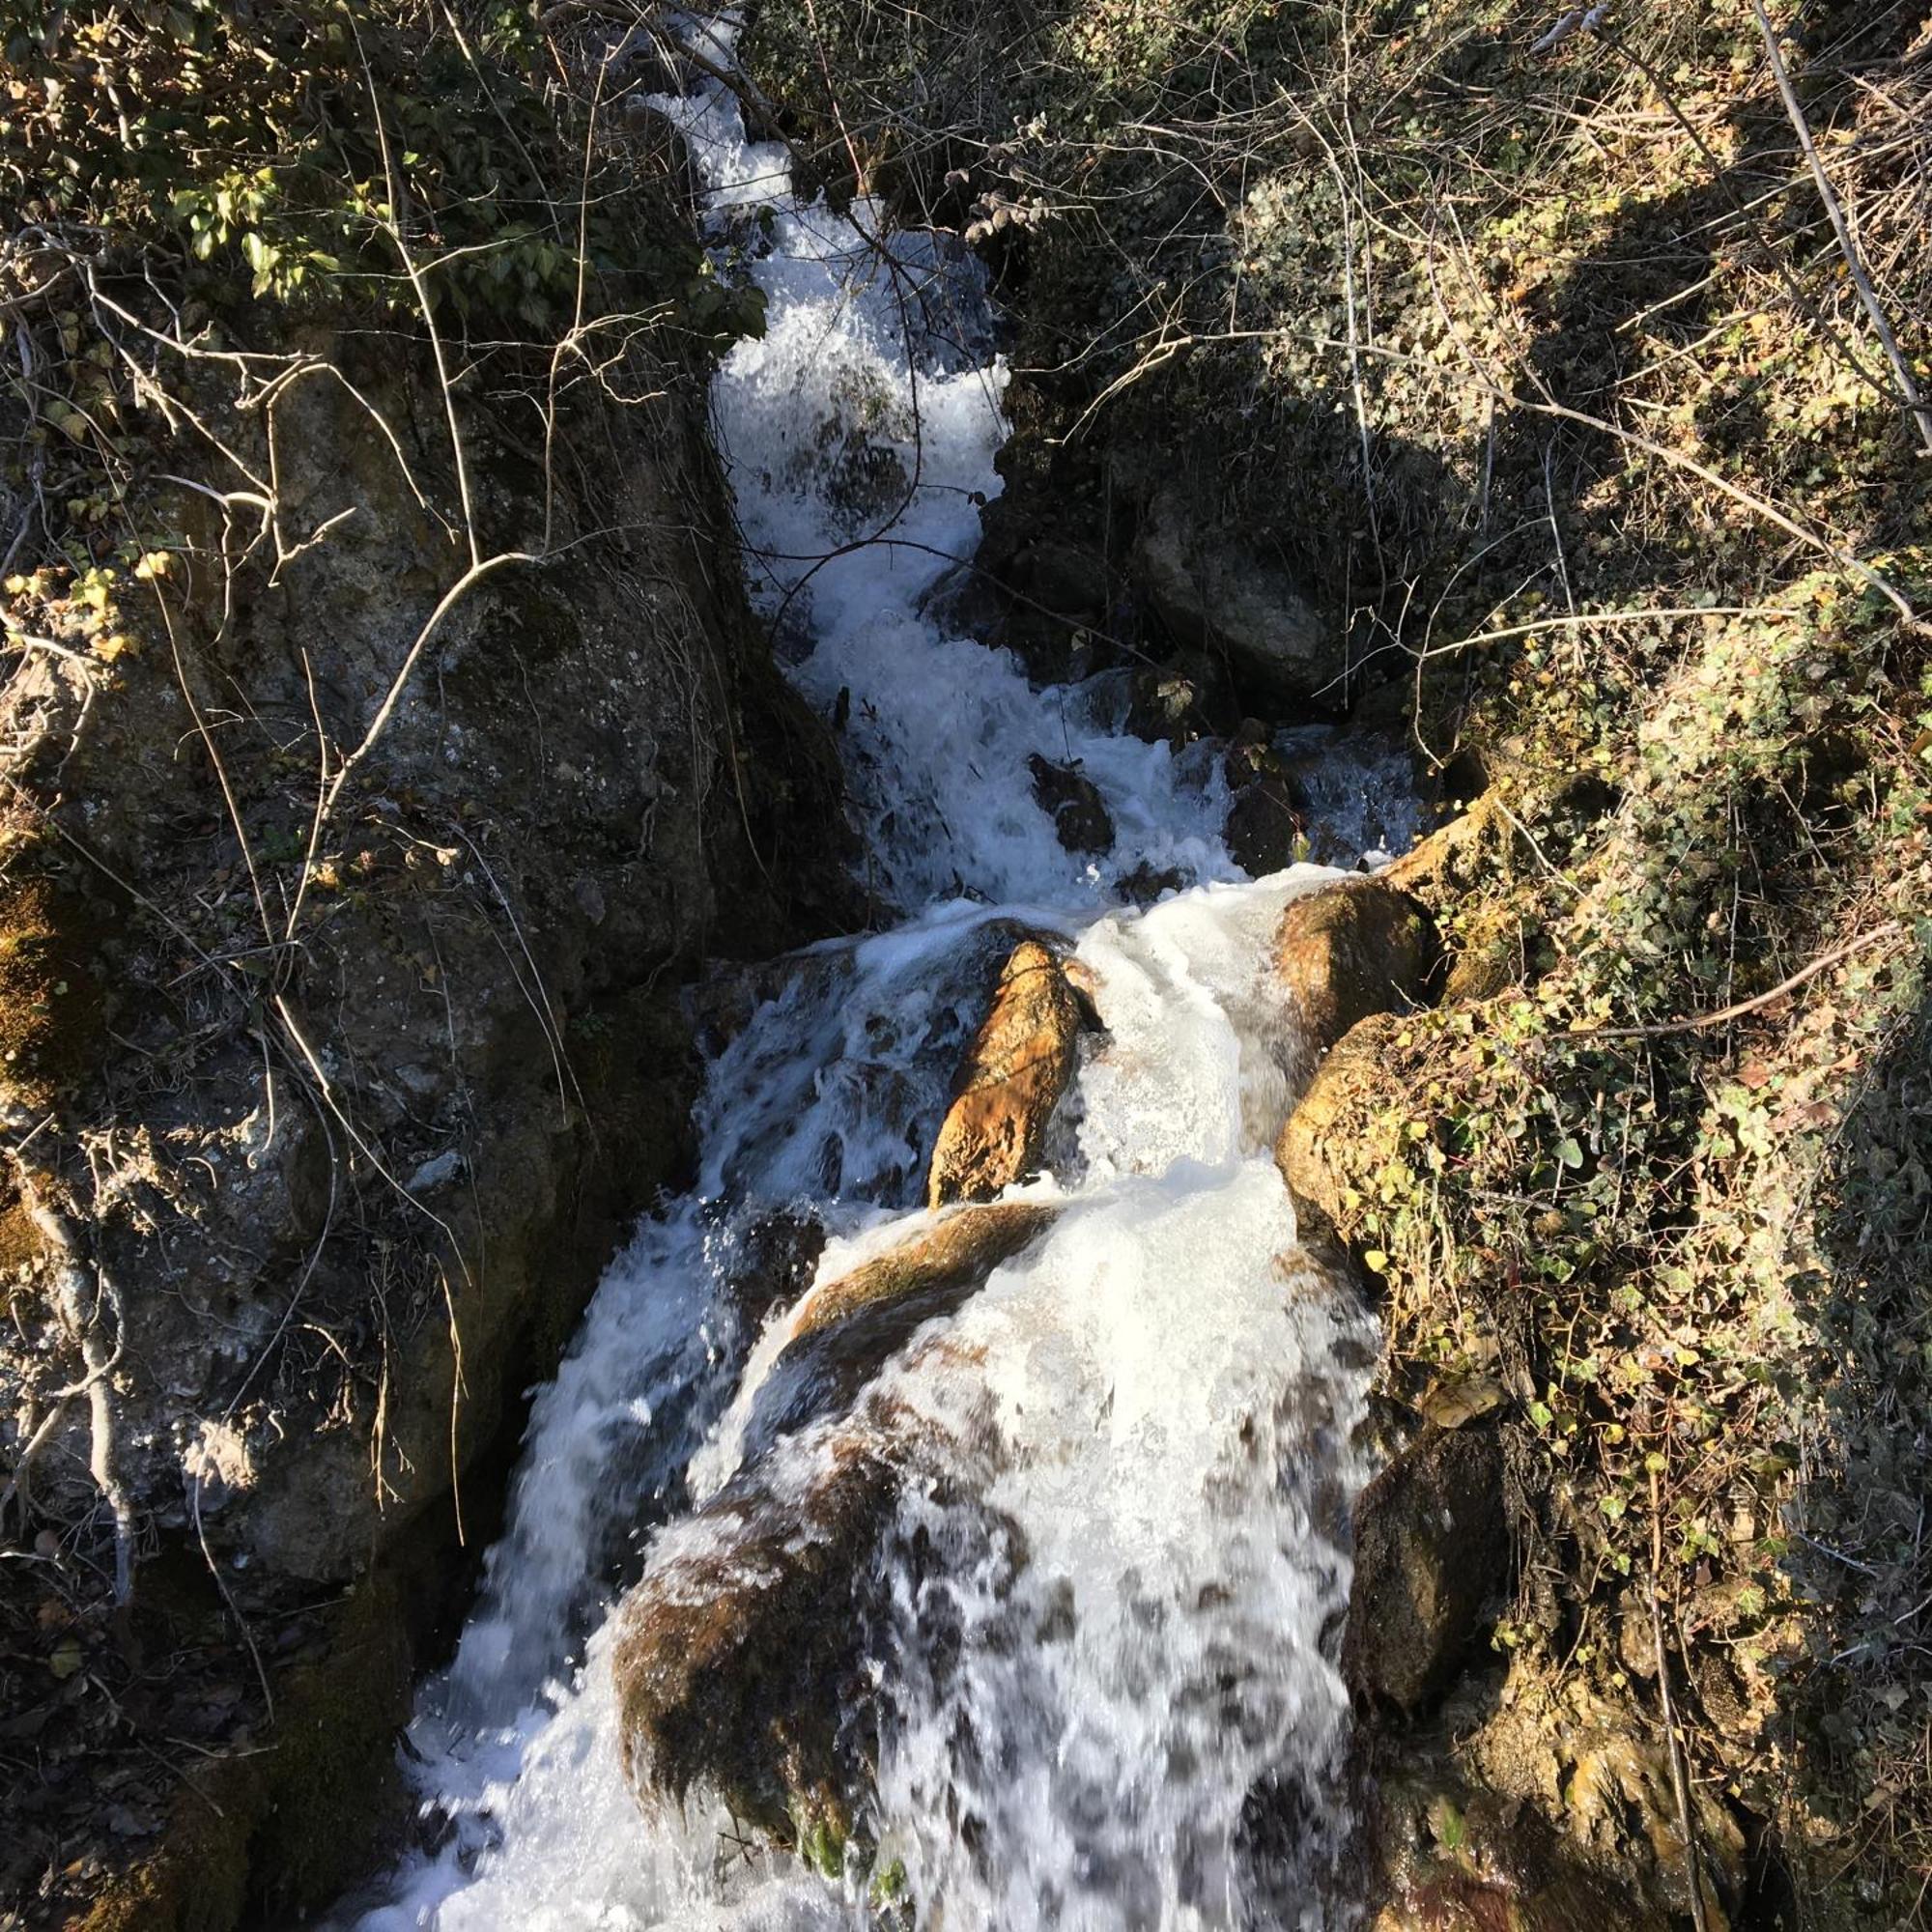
1102	1648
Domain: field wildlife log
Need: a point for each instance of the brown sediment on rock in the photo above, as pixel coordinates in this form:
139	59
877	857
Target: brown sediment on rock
844	1330
52	1005
1455	872
1015	1074
1538	1810
934	1266
736	1657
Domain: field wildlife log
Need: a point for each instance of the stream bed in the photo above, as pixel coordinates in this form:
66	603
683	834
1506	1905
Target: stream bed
1100	1645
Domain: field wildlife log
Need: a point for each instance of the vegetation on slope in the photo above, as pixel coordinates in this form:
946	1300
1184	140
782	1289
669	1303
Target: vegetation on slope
352	375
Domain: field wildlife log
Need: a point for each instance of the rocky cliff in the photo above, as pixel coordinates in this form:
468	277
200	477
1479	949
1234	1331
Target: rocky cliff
363	822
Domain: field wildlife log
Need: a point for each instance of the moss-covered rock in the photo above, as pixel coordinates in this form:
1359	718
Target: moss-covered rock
282	1826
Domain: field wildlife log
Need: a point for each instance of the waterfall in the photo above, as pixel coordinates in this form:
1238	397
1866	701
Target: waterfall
1103	1646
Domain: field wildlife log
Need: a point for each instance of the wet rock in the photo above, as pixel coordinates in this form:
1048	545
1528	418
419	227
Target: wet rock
1266	827
932	1269
1327	1125
1210	589
1355	948
1431	1547
1147	882
845	1328
1081	820
770	1263
1014	1073
1187	698
738	1654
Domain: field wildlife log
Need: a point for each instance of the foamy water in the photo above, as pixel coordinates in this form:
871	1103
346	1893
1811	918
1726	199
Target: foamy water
1099	1704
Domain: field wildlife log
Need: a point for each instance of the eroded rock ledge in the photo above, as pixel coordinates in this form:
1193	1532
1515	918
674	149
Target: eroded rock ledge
336	1128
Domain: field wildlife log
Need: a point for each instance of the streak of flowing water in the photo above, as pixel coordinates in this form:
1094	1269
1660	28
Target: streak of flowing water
1103	1646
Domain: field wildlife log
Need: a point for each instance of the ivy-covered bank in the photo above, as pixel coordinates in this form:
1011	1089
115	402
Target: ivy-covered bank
385	745
1576	372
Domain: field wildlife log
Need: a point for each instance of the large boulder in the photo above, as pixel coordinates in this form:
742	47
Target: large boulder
1431	1547
739	1648
1014	1073
1210	589
1353	949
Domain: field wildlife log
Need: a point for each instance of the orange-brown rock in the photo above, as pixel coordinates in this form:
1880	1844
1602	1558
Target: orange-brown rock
950	1258
846	1327
1353	949
1320	1145
1015	1074
1459	866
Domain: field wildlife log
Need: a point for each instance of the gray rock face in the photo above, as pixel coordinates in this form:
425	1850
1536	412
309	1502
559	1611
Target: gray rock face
1209	587
406	1124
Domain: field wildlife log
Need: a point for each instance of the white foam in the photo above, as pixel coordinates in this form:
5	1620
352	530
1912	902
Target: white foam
1149	1413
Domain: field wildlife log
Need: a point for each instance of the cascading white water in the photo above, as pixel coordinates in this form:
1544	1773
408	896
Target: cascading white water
1118	1669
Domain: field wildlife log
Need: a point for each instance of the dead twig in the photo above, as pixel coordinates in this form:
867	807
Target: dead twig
1699	1021
1847	246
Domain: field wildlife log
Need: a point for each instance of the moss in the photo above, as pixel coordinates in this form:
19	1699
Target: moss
20	1244
52	1005
820	1832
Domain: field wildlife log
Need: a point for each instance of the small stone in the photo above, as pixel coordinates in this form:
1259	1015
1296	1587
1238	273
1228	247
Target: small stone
1072	801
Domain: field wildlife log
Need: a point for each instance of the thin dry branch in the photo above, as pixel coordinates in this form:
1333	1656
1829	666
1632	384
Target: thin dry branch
1847	246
